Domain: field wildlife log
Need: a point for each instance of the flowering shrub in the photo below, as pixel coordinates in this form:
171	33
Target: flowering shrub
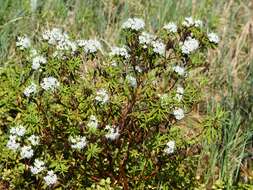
73	115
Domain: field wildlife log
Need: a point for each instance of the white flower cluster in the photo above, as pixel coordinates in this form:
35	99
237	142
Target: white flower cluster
102	96
170	27
190	45
170	147
23	42
179	70
30	89
113	132
37	61
50	178
49	83
158	47
34	140
136	24
78	142
59	38
93	122
138	68
67	45
37	167
198	23
131	80
119	51
213	37
147	39
89	46
12	143
19	130
180	92
178	113
26	152
189	21
54	36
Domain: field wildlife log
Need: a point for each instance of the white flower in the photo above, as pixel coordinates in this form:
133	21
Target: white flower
102	96
49	83
35	65
26	152
188	21
66	44
35	140
180	92
59	38
51	178
113	132
117	51
171	27
81	43
170	147
158	47
180	89
90	46
38	166
12	144
179	70
30	89
213	37
137	68
23	42
133	24
72	46
54	36
19	130
198	23
93	123
78	142
132	81
190	45
146	38
178	113
37	61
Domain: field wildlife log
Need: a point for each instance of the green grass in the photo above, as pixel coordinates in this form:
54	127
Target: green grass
231	66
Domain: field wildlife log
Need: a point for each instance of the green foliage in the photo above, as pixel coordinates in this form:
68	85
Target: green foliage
102	118
104	184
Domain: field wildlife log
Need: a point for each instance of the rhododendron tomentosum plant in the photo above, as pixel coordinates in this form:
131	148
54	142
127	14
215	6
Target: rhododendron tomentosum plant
76	115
